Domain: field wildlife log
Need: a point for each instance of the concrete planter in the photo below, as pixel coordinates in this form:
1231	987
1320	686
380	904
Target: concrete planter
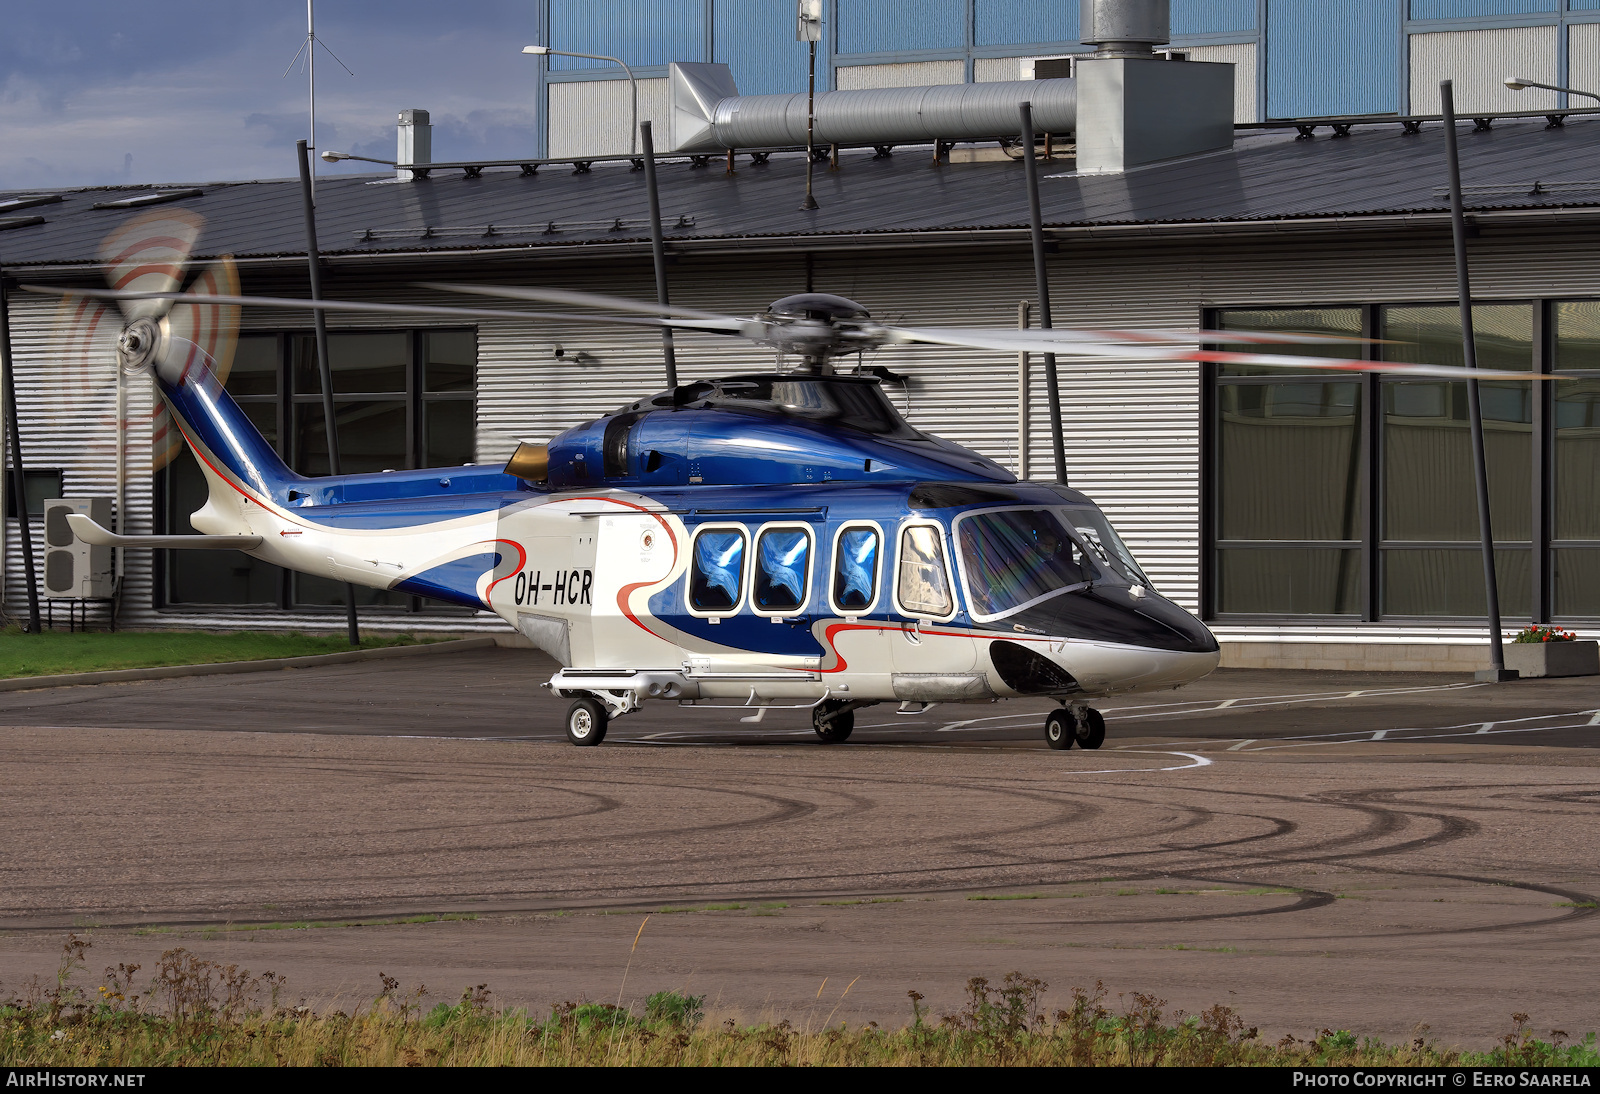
1554	658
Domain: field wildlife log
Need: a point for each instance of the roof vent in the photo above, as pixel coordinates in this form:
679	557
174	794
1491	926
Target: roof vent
415	144
1124	28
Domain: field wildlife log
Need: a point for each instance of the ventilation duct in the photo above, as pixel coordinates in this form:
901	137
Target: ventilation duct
708	114
1124	28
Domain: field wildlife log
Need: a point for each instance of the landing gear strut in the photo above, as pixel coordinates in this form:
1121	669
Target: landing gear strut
1080	724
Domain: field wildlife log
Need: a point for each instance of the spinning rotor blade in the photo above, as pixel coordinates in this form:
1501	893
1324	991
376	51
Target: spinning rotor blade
356	306
213	329
1107	344
147	255
582	300
1132	337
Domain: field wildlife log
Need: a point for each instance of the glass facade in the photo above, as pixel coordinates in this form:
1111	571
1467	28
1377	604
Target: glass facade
1353	497
402	399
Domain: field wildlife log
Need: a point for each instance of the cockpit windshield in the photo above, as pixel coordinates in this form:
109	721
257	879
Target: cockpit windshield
1012	558
1096	533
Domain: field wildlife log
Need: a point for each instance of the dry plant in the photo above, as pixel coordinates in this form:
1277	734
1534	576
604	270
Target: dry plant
192	1011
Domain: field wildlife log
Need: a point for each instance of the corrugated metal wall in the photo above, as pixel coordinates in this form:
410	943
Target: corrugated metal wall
755	39
1478	61
1331	57
594	117
1212	16
1014	22
912	74
880	26
1468	9
655	33
1583	57
1243	59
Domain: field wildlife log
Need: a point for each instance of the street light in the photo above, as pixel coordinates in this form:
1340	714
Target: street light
633	85
1519	83
334	157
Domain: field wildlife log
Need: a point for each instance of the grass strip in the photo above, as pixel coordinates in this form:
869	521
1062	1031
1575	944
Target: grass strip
196	1012
54	653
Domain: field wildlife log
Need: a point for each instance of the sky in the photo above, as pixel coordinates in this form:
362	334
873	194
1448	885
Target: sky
164	91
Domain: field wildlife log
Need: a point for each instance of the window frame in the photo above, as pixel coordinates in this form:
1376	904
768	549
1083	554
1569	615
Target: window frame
810	571
1374	549
949	574
744	571
873	526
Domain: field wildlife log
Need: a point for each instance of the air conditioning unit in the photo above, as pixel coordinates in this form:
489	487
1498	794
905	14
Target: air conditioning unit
74	570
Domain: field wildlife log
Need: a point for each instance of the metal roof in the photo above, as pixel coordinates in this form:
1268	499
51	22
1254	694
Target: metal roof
1379	172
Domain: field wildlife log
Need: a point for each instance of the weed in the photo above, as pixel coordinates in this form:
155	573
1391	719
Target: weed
198	1012
675	1009
1008	896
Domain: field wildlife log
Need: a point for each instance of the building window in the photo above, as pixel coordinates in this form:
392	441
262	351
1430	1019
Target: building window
1353	497
1287	477
402	399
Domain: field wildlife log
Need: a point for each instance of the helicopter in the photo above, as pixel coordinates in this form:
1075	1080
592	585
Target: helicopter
776	539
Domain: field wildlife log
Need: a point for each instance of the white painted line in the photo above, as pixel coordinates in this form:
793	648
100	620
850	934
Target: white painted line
1380	735
1487	726
1241	744
955	726
1595	721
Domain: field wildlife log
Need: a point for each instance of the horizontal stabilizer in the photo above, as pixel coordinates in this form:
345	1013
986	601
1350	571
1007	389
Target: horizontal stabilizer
91	533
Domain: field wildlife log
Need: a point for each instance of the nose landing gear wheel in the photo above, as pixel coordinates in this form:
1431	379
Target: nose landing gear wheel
835	729
1062	728
586	722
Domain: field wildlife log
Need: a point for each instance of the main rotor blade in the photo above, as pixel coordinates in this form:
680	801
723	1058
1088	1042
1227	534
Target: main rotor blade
381	309
1072	335
578	299
1090	345
148	255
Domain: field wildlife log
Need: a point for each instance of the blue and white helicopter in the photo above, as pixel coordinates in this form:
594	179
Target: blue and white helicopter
771	539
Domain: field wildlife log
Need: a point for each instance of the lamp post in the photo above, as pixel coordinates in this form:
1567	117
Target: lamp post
1521	83
633	133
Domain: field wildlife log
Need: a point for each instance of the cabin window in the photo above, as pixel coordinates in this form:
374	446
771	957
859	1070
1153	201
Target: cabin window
783	570
716	579
855	570
924	586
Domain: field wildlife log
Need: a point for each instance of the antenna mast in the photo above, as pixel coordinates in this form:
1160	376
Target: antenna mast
309	48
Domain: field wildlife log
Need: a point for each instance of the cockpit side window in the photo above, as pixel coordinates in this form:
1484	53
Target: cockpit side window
716	572
855	570
782	570
924	584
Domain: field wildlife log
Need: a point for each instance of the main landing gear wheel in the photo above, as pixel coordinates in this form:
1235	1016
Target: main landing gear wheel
833	726
1092	730
1058	729
1063	727
586	722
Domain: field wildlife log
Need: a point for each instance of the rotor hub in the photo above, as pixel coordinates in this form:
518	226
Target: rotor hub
136	346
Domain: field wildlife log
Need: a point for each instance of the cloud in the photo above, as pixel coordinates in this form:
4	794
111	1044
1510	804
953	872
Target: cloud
194	90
